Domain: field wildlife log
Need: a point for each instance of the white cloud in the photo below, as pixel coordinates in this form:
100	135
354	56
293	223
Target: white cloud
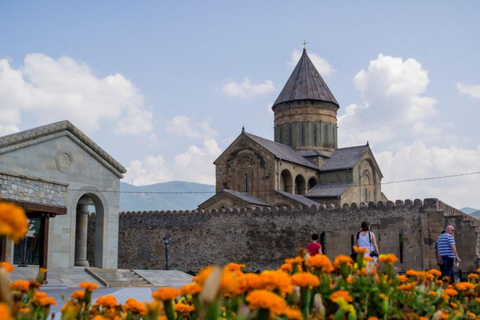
322	65
419	161
184	126
472	90
195	165
393	101
246	89
59	89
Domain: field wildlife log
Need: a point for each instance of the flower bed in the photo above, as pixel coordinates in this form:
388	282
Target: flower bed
303	288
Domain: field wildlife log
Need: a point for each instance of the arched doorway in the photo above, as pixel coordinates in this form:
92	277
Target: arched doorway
300	185
87	204
312	182
286	181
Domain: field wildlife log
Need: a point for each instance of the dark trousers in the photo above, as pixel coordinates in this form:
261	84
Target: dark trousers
448	267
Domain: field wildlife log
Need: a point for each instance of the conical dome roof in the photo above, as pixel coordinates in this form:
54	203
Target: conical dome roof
305	83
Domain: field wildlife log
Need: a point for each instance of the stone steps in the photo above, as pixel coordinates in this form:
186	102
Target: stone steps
118	278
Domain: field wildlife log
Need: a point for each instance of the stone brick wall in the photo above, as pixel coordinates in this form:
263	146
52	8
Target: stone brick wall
262	238
22	188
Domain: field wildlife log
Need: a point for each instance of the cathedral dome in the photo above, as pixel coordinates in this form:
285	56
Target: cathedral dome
305	83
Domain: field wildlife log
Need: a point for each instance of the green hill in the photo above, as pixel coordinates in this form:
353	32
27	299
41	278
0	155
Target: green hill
468	210
173	195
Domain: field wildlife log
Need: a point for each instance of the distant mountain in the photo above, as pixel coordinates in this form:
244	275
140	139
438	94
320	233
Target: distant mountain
468	210
174	195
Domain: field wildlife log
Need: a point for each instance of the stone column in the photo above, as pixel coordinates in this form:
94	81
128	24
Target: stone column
81	236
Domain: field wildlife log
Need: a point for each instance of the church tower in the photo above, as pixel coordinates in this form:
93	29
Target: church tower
305	112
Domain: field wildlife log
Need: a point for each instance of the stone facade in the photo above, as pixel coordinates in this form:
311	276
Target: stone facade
261	238
58	165
32	189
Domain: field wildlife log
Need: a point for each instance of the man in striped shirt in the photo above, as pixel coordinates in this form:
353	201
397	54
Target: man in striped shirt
448	252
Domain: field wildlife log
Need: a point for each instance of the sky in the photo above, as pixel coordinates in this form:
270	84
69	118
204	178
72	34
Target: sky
165	86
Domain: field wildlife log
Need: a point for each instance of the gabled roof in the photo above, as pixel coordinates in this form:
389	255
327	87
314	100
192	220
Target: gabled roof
328	190
37	135
281	151
344	158
298	198
305	83
246	197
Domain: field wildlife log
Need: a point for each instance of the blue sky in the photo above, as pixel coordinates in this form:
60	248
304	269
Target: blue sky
164	87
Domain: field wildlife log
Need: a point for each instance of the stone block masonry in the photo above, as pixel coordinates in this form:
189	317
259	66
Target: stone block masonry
34	190
263	238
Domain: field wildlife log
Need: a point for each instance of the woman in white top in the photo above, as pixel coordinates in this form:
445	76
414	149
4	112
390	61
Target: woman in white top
366	239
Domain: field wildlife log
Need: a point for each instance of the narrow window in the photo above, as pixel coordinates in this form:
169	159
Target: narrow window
315	135
245	181
303	135
366	195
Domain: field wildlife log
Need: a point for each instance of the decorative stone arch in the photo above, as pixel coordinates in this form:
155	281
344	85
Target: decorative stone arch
312	182
300	185
244	171
286	181
79	208
366	186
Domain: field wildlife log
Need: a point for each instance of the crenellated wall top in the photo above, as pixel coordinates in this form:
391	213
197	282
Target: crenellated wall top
432	203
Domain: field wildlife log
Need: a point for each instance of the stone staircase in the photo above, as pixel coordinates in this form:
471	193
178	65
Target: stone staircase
118	278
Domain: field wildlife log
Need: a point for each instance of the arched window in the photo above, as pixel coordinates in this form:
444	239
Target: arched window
300	185
312	182
286	181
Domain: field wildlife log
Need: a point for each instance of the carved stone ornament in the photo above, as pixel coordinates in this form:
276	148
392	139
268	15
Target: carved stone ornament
64	160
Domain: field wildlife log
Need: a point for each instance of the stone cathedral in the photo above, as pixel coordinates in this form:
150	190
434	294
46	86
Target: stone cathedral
303	166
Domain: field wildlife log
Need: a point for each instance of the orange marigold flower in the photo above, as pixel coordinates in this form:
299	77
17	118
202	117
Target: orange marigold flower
296	260
7	266
235	266
451	292
383	296
263	299
202	275
342	259
412	273
292	314
443	316
423	318
79	295
360	250
341	294
89	286
372	318
21	285
454	305
107	301
191	288
407	286
40	294
271	280
321	262
99	317
432	293
435	272
164	294
473	276
184	309
464	286
304	279
47	301
248	281
287	267
471	315
5	312
387	258
402	278
13	221
133	305
350	279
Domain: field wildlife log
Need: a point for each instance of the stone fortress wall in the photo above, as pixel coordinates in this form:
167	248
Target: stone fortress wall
263	238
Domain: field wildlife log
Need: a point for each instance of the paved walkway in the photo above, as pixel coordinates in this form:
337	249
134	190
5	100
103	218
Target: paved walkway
63	281
62	278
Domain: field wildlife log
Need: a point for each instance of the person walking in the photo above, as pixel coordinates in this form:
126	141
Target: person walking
448	252
314	247
437	256
366	239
